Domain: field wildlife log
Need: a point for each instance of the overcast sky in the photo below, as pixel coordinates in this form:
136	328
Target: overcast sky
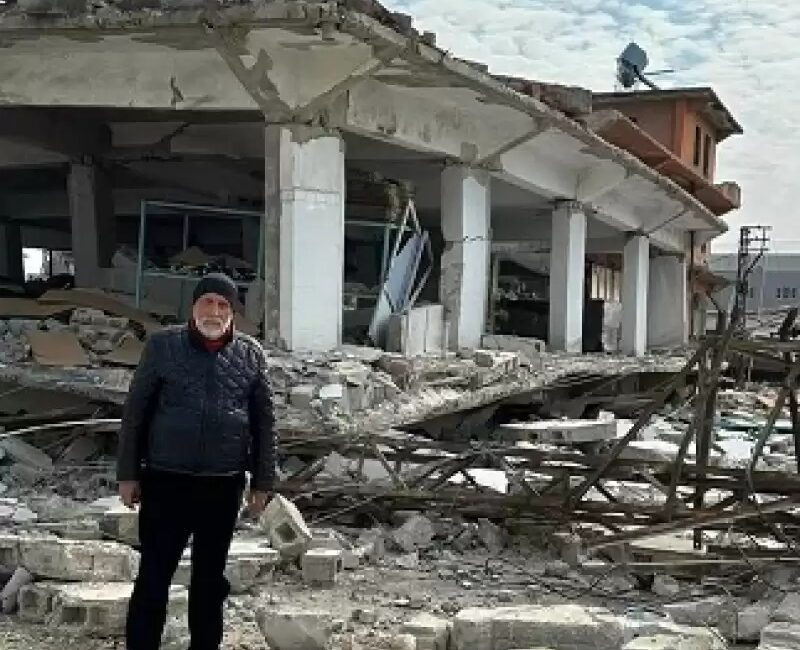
747	50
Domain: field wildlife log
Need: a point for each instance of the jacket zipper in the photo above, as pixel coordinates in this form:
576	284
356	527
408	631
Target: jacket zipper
209	371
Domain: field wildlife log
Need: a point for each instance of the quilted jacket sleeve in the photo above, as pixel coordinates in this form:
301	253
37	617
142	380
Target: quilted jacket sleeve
262	427
139	406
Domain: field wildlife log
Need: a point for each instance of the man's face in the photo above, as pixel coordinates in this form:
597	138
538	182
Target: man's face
212	315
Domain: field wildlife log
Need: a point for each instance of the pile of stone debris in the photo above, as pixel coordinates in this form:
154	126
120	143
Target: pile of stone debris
296	586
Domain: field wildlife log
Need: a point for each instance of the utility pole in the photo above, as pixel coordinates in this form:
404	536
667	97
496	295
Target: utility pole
753	243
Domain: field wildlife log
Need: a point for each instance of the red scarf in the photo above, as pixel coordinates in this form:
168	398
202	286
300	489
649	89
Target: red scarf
210	345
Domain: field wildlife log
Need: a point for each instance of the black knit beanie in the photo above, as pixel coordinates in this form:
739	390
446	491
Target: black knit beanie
218	283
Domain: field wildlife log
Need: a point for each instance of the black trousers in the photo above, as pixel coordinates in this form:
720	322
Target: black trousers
173	508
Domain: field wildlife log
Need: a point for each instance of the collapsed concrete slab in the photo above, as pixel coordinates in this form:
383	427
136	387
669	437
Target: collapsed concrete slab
509	628
97	609
63	559
789	610
295	629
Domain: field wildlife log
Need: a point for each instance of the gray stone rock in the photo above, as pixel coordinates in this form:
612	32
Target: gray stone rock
295	629
415	534
751	620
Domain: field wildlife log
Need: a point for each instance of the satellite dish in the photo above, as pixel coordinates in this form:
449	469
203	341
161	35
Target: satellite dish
631	65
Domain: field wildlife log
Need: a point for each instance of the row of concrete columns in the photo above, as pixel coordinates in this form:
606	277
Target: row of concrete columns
305	223
304	252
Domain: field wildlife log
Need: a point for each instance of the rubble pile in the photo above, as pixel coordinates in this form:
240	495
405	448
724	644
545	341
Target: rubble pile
417	584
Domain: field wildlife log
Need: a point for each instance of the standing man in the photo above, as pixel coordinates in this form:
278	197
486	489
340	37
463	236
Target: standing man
198	415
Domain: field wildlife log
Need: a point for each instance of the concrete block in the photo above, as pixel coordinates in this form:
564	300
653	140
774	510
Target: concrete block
35	602
751	620
674	642
121	524
556	432
666	586
789	610
780	636
508	628
295	629
415	534
250	564
101	608
62	559
714	612
403	642
9	596
302	396
529	348
322	566
285	527
430	632
9	550
569	547
492	536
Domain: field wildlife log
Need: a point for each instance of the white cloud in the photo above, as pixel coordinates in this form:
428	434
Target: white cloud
747	50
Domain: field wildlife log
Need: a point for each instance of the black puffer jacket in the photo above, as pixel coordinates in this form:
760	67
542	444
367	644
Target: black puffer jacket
198	412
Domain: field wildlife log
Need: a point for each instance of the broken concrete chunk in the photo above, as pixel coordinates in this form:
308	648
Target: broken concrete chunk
415	534
295	629
674	642
121	524
62	559
10	593
780	636
789	610
91	608
666	586
409	561
492	536
25	453
713	612
751	620
285	527
322	566
301	396
430	632
567	626
403	642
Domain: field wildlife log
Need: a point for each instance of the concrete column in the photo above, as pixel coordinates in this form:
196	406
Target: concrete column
567	260
91	207
304	237
635	276
668	320
464	286
12	263
250	234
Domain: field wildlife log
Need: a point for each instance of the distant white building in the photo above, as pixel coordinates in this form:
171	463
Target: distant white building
773	284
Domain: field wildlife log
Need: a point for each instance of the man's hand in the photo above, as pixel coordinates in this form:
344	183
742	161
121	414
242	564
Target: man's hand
257	501
130	492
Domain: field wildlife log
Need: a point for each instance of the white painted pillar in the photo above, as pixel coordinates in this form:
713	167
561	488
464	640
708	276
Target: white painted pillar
91	207
11	258
304	236
464	286
668	318
635	276
567	261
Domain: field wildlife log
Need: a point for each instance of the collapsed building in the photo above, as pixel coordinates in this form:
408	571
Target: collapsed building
479	233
